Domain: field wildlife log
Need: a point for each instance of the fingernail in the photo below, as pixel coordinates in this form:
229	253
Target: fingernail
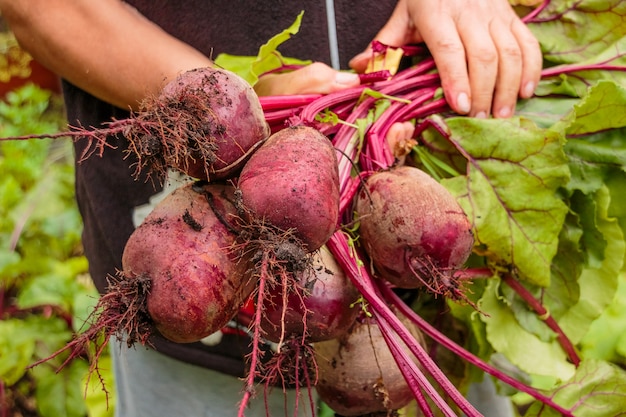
347	78
504	112
462	103
529	89
481	115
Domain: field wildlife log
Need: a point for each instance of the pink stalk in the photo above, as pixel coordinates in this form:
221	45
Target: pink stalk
378	155
439	125
347	142
436	106
359	275
352	187
281	115
420	68
568	69
287	102
414	377
529	18
377	76
443	340
377	148
346	139
348	148
400	85
544	314
391	87
328	101
343	110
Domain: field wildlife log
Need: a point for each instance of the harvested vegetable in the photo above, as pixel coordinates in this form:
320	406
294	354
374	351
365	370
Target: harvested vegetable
320	307
291	182
215	121
197	282
542	190
358	374
413	229
180	276
205	123
288	200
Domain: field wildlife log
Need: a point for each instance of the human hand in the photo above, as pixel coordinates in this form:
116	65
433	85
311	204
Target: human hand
400	140
316	78
485	54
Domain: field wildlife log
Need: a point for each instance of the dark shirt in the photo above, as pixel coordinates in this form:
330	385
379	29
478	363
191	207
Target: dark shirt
106	191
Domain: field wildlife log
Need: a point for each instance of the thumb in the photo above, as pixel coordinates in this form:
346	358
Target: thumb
315	78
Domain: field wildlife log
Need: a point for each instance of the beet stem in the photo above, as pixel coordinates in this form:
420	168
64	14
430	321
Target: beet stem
286	102
359	275
410	373
529	18
567	69
443	340
545	315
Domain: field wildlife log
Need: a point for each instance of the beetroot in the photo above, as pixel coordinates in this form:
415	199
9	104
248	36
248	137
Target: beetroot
288	201
180	277
215	122
358	374
205	123
197	283
413	229
292	183
320	307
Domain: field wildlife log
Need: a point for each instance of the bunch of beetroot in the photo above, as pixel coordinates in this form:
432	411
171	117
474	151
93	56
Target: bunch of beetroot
269	221
399	230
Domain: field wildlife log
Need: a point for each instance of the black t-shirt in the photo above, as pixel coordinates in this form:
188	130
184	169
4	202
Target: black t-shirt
106	191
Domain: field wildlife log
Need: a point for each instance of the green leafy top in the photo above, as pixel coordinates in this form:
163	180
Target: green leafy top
268	59
43	300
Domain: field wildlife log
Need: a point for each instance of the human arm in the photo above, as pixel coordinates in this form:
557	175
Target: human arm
485	54
104	47
111	51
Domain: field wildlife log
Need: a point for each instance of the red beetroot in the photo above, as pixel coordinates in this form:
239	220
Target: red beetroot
292	182
358	374
179	275
205	123
229	124
196	283
288	198
319	307
413	229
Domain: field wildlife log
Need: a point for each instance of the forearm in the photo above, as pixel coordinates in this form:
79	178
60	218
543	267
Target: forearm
104	47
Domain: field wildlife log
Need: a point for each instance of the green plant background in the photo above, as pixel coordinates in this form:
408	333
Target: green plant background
45	290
